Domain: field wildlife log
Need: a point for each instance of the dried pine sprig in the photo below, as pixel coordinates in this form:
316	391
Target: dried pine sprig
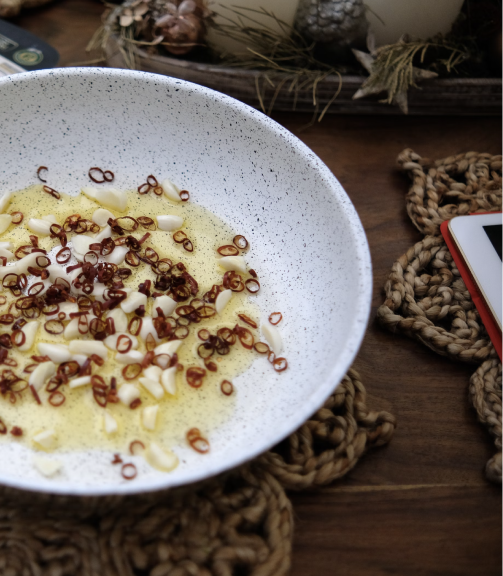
394	67
277	49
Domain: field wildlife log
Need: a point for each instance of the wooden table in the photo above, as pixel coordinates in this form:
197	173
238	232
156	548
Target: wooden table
420	505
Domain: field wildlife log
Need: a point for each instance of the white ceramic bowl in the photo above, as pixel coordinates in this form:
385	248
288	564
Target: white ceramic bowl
309	247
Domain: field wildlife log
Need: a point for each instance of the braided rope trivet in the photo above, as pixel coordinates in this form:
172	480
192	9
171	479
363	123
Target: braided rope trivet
426	298
238	523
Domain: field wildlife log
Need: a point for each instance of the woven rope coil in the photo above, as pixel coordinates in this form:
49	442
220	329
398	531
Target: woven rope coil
438	192
238	523
425	296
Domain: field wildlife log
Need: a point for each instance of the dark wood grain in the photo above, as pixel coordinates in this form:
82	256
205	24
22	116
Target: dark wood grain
421	505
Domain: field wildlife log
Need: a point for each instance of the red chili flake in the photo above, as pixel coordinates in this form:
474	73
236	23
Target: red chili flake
261	347
99	176
228	250
129	471
135	403
184	195
3	427
275	318
197	441
56	398
35	394
195	376
41	169
52	192
147	359
252	285
240	241
18	338
248	320
187	245
117	459
280	364
226	387
17	217
16	431
152	181
135	443
245	336
131	371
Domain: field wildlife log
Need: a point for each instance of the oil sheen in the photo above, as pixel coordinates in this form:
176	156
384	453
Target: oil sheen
78	423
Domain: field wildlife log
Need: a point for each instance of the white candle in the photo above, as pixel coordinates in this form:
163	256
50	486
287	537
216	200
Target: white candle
390	19
283	10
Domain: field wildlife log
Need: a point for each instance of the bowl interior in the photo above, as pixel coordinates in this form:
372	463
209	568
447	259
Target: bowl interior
308	244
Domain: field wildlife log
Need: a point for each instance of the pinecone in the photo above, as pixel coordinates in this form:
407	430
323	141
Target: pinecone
180	23
331	21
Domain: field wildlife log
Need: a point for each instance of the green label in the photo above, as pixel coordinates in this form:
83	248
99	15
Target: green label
28	57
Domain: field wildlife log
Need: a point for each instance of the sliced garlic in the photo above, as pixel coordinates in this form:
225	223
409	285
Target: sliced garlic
89	347
160	458
101	216
168	347
39	226
273	337
5	201
50	218
109	197
81	242
128	393
153	372
57	352
111	341
42	373
147	327
46	466
90	192
27	261
166	304
222	300
6	254
118	255
6	245
168	223
149	417
152	387
168	380
119	318
133	301
71	330
30	331
56	271
68	307
171	190
105	233
78	382
81	359
5	222
109	423
46	439
4	270
235	263
131	357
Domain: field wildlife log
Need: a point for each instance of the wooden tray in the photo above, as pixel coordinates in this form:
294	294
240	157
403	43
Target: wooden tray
457	96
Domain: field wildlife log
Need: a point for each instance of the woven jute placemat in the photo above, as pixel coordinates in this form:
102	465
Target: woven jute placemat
238	523
426	297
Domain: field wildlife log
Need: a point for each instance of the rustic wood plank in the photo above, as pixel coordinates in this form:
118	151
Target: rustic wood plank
420	505
412	531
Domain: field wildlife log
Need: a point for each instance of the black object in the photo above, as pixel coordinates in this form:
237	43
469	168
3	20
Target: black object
495	236
22	51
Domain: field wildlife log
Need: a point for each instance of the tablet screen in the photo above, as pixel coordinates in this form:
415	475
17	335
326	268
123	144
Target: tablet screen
494	233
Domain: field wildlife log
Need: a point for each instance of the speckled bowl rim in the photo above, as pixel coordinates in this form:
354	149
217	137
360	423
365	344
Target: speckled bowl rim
363	271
